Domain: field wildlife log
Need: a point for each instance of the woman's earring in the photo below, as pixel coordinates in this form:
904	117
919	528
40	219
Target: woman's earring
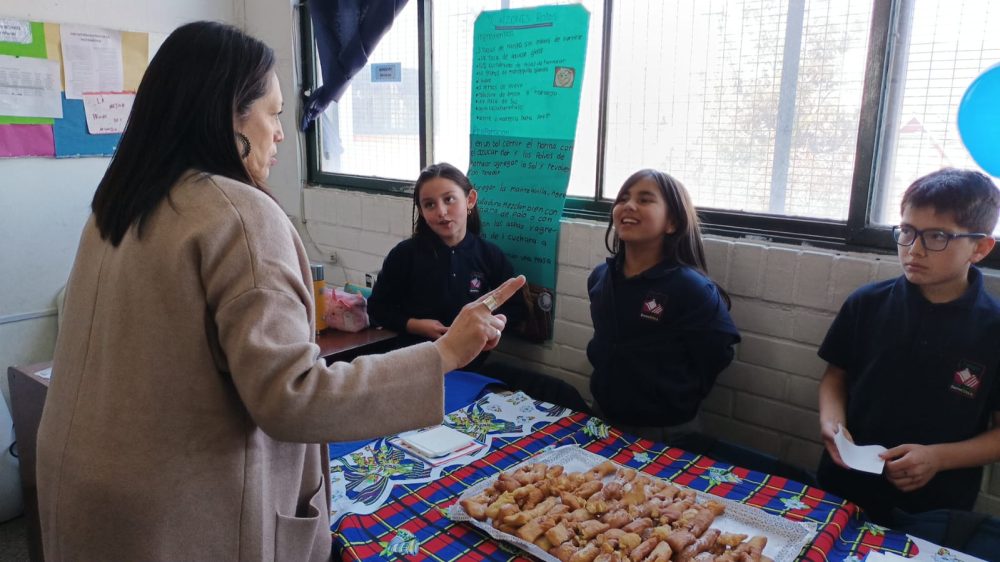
469	211
246	144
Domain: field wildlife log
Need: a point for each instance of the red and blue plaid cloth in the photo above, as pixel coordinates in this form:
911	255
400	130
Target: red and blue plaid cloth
411	523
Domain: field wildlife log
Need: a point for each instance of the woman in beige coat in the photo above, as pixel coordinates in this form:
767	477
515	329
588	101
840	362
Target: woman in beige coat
189	408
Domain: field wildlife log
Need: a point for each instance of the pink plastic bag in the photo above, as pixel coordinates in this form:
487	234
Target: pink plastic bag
345	311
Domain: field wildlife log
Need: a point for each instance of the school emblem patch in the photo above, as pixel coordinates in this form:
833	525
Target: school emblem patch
965	380
476	283
652	307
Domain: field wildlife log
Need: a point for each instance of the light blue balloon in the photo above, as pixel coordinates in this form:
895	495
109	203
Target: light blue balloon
979	120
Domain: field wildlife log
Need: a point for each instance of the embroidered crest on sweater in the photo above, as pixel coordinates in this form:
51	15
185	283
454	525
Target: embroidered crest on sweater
652	306
966	379
476	282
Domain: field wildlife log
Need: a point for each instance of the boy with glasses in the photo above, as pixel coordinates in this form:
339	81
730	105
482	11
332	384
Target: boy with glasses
913	361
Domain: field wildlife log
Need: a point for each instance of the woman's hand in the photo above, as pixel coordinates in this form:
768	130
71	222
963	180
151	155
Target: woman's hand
476	328
426	327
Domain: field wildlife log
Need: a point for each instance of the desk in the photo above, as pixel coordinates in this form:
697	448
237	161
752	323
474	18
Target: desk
28	390
27	396
386	502
345	346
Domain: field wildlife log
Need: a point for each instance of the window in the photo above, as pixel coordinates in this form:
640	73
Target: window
752	104
792	120
943	47
374	130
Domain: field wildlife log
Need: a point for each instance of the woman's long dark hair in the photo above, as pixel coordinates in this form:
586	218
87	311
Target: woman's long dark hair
203	76
442	170
684	245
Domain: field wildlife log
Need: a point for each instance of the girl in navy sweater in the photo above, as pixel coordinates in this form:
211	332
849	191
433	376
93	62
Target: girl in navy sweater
427	279
662	331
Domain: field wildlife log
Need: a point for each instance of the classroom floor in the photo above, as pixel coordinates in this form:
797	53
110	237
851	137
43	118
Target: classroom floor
14	541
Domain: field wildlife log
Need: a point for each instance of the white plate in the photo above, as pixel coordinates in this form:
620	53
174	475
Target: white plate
785	538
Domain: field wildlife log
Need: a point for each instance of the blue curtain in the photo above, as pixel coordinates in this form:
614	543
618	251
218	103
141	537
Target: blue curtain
346	33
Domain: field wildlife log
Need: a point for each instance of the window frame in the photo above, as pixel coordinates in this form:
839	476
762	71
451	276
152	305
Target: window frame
856	233
314	173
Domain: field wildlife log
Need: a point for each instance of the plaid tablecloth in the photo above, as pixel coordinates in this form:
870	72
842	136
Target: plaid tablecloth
387	505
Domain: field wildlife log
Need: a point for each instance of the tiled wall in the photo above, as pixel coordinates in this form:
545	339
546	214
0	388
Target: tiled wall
784	298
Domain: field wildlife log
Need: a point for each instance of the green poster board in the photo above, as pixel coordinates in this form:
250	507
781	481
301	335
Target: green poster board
527	71
35	49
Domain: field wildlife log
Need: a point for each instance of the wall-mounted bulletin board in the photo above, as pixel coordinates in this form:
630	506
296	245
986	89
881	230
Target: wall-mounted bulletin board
66	90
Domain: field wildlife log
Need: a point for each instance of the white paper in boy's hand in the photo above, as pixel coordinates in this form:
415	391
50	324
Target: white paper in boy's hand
859	457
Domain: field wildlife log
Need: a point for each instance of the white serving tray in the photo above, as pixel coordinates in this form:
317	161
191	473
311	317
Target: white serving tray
785	538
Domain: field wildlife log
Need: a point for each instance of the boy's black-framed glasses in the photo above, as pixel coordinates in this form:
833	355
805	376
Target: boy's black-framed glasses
933	240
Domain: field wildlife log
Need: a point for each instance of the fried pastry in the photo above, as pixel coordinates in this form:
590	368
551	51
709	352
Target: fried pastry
609	514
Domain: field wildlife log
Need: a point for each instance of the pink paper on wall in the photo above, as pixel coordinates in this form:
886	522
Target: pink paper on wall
26	140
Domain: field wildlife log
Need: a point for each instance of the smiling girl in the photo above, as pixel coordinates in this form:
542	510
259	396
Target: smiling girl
426	279
662	331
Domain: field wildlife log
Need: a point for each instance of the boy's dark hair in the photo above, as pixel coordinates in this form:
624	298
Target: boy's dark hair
970	196
204	77
442	170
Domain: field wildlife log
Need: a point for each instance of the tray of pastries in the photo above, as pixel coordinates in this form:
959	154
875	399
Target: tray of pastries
571	505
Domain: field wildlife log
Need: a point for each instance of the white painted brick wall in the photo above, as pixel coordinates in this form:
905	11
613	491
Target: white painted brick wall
756	437
784	299
812	278
888	268
573	359
572	334
598	244
401	223
574	244
802	391
377	243
573	309
810	326
717	254
572	281
781	355
779	274
746	264
375	214
357	263
777	415
848	274
347	210
751	379
763	317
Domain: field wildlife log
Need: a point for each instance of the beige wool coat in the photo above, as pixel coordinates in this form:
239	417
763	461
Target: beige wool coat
189	411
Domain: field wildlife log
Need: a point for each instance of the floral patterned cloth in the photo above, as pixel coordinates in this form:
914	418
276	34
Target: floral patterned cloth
389	505
362	481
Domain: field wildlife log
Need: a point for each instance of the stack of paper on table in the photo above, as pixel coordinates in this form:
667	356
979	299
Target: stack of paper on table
437	445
